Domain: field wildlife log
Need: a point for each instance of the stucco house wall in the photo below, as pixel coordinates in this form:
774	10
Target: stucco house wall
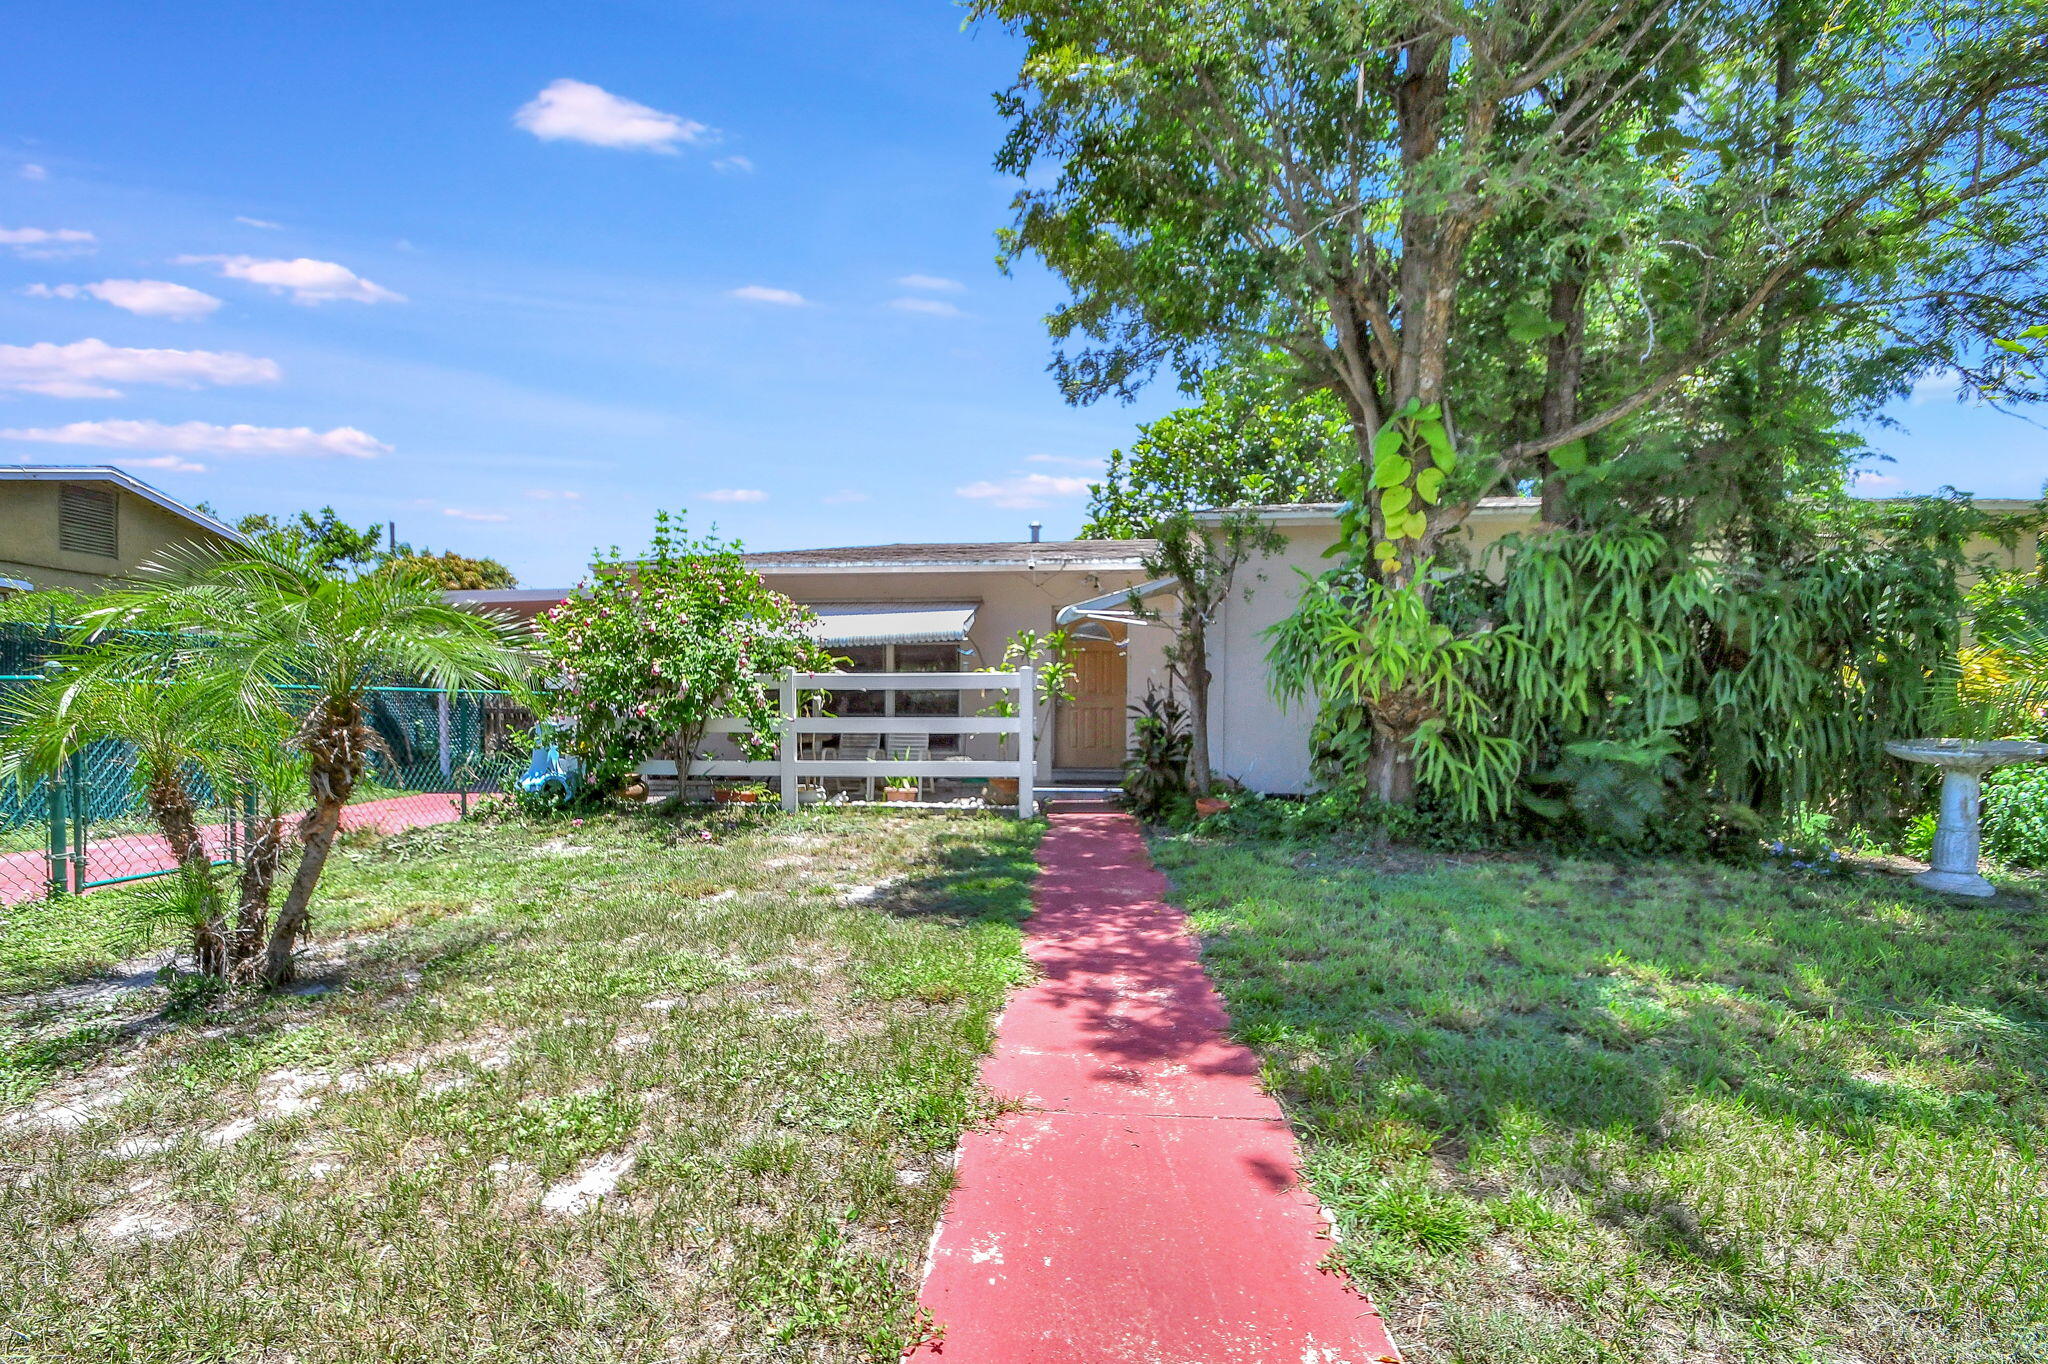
1257	741
1006	601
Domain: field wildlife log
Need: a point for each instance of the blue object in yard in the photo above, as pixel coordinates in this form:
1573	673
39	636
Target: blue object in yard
550	768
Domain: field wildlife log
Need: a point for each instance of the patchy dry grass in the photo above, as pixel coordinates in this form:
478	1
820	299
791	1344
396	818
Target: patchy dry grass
611	1092
1578	1112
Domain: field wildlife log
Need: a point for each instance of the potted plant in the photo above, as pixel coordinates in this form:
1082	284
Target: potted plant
900	788
738	793
1048	653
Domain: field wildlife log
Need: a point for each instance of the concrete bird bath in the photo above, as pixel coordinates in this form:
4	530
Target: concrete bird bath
1963	763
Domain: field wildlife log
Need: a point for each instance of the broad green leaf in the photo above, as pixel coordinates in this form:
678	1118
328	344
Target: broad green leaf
1395	499
1429	485
1570	457
1440	445
1391	471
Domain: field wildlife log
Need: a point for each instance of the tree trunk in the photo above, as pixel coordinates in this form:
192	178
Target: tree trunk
1564	366
261	861
170	806
321	825
338	742
1390	769
1195	661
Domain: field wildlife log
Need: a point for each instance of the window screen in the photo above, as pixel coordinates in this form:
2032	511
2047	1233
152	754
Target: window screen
86	520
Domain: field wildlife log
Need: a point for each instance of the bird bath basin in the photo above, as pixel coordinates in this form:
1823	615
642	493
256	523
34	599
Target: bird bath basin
1963	762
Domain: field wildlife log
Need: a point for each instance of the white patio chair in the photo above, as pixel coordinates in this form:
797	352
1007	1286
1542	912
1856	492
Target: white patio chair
916	748
861	748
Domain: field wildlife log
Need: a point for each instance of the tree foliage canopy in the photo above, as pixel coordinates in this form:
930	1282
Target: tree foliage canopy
1253	440
1566	227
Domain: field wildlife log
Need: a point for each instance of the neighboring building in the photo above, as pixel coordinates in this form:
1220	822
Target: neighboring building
951	607
81	526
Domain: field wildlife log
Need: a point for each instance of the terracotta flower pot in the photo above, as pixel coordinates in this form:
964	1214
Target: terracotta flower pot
1001	791
1206	806
897	793
733	795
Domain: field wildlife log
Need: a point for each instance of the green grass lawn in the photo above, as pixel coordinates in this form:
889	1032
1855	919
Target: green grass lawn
1574	1111
612	1092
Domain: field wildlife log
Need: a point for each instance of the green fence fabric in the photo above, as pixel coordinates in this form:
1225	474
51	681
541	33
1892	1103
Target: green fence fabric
428	741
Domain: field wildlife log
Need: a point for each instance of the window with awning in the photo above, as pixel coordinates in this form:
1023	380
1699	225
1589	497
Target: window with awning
914	623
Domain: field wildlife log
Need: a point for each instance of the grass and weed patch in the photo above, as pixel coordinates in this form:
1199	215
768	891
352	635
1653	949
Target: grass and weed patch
1576	1110
616	1091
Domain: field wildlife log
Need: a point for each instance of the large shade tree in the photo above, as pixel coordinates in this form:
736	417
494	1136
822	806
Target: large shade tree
1520	241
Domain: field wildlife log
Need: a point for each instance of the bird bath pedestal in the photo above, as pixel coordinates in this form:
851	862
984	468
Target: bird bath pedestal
1953	867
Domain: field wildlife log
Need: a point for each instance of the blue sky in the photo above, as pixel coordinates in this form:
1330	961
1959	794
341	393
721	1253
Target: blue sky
518	274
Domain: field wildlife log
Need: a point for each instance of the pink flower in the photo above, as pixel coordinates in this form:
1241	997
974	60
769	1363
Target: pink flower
575	823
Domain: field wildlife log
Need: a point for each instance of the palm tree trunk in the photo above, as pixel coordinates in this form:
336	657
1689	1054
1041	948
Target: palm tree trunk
319	829
170	805
260	865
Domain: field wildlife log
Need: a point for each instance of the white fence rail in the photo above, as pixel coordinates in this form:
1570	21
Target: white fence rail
790	771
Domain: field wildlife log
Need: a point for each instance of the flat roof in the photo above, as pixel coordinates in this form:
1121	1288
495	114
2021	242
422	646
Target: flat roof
1009	554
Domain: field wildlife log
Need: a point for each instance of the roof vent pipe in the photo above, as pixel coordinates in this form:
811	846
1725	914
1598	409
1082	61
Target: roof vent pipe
1036	528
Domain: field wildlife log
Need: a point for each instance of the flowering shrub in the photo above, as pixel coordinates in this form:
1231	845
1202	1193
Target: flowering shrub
646	654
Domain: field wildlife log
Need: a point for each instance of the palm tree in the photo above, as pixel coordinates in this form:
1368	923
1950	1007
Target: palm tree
177	726
291	637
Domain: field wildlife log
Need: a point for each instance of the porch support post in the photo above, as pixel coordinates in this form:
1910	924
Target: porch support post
785	741
1027	753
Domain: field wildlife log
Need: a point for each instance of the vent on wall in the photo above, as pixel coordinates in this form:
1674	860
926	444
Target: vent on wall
86	520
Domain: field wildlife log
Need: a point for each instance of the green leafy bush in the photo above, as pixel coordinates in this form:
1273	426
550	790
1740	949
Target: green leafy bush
2016	816
1156	774
644	656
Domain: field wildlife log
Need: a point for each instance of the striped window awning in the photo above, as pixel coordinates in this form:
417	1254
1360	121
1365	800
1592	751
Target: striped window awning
909	623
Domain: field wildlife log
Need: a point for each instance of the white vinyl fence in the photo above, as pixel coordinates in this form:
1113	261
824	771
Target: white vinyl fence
791	771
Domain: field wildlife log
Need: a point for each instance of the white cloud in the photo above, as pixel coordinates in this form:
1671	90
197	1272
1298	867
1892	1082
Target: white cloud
933	307
735	495
761	293
576	111
91	368
143	297
1870	478
465	514
48	243
1025	490
1934	386
844	496
729	165
266	224
307	281
554	494
205	438
937	283
170	464
1066	461
31	171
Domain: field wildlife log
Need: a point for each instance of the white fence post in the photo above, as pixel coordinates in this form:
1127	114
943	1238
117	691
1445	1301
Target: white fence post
785	740
1027	754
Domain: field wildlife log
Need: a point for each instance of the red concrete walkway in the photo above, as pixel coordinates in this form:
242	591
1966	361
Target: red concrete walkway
1143	1205
25	876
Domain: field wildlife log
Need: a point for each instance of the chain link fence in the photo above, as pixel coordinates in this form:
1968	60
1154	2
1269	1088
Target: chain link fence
87	826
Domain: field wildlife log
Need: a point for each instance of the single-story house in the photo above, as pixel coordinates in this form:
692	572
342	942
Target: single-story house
951	608
81	526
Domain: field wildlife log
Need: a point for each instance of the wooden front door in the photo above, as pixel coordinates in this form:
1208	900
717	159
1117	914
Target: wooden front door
1090	732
